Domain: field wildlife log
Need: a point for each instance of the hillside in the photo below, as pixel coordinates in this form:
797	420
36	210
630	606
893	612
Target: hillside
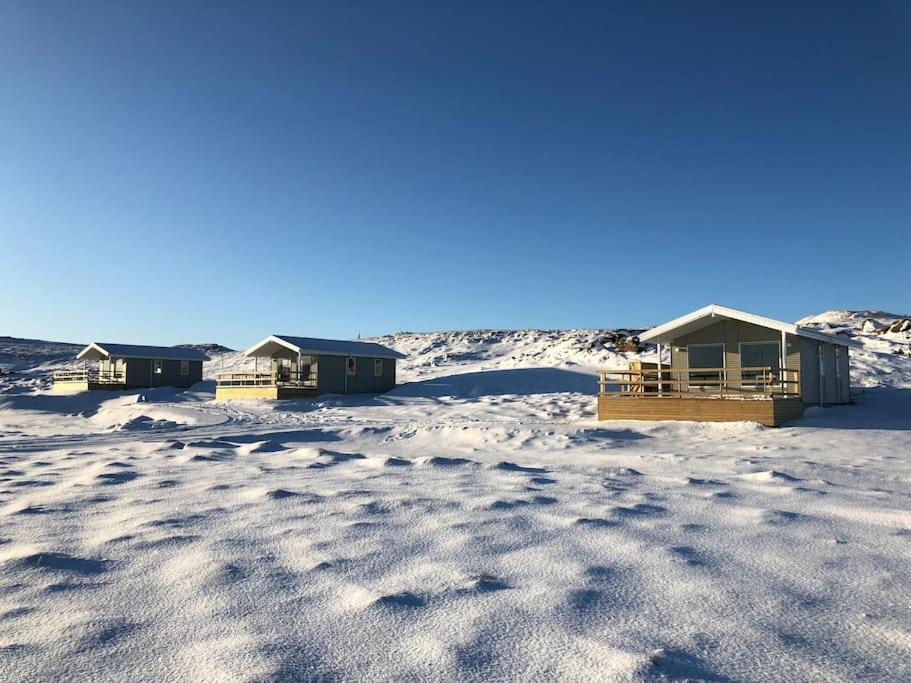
883	360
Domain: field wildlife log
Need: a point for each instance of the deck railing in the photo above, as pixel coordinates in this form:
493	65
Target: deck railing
91	376
700	383
303	380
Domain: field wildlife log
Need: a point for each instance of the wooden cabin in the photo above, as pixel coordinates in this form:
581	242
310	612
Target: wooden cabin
128	366
729	365
296	367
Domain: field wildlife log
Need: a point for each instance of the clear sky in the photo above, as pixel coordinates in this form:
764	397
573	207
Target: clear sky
219	171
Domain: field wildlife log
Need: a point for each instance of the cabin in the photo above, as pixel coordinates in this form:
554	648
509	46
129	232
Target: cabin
719	364
286	367
128	366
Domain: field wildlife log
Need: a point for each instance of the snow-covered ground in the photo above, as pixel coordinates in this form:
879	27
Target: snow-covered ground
476	523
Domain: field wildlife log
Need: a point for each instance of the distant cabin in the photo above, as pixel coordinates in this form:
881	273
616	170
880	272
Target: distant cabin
127	366
295	367
729	365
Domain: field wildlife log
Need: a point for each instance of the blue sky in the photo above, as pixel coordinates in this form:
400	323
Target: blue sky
217	171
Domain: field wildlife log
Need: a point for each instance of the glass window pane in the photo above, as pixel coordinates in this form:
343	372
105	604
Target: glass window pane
764	355
706	356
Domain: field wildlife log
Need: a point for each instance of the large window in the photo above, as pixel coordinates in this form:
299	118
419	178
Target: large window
377	367
184	368
156	367
709	356
352	366
759	355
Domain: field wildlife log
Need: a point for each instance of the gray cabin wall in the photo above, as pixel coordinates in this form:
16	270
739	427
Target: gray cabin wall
834	384
830	383
139	373
844	383
333	377
366	381
330	374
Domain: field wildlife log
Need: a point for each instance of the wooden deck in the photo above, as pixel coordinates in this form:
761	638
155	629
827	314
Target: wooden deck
70	381
768	396
269	385
224	393
771	412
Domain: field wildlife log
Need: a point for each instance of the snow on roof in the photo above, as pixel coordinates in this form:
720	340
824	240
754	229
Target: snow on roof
704	317
327	347
109	350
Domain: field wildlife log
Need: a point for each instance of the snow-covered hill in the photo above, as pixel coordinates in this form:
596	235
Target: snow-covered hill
883	360
885	356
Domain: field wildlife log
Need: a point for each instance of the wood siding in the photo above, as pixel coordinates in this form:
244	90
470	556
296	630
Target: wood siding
809	370
228	392
731	333
769	412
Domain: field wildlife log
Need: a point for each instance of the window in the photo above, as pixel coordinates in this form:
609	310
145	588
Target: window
759	355
705	356
156	367
352	366
377	367
184	367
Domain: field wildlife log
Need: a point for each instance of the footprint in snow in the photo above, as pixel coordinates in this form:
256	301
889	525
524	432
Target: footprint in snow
114	478
776	517
486	583
280	494
513	467
639	510
673	664
438	461
404	599
689	555
597	522
696	481
396	462
61	562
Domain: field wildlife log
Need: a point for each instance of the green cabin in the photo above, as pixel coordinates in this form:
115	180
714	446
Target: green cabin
285	366
130	366
729	365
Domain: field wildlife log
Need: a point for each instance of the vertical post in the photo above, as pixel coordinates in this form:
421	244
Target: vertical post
784	363
660	385
298	366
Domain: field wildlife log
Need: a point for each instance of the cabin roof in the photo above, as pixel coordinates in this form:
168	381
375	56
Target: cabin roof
97	350
326	347
705	316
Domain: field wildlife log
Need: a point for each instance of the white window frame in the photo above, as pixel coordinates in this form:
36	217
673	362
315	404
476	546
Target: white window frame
184	368
351	366
377	367
689	368
157	366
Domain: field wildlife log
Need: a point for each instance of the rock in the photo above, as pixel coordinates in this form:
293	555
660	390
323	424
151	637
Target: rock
628	345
